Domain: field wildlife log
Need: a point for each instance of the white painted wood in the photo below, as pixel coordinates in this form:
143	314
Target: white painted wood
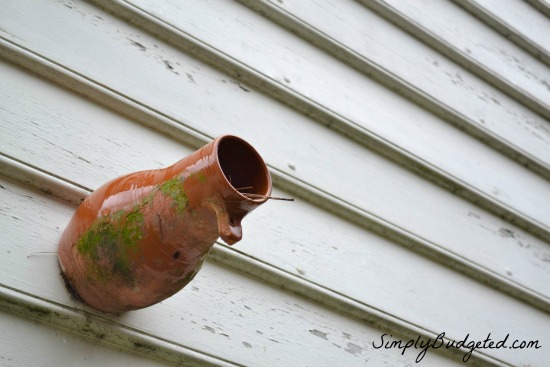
282	291
322	199
480	45
542	6
319	33
101	330
58	118
24	342
449	226
519	21
222	313
221	254
341	29
434	141
302	103
299	238
167	125
351	95
382	47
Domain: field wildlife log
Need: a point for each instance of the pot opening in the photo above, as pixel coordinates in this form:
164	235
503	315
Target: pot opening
243	167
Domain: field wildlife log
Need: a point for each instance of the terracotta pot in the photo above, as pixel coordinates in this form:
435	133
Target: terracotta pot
142	237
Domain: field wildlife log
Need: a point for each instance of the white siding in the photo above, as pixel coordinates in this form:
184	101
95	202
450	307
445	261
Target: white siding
418	154
57	347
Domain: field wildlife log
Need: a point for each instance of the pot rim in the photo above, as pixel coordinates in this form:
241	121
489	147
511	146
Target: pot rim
260	163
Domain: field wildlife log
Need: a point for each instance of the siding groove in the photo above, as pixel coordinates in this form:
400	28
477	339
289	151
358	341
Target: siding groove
104	95
541	5
41	180
74	193
229	64
407	159
52	305
384	75
82	319
478	130
324	266
104	329
428	34
527	42
382	145
367	220
111	332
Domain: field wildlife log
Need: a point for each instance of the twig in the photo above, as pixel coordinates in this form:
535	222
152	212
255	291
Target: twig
39	253
268	197
244	188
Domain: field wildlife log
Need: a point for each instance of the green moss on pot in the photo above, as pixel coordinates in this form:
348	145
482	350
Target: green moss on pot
174	189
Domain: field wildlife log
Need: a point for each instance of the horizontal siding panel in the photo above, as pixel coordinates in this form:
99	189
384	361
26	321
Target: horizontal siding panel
221	313
323	115
479	233
99	330
480	49
316	275
500	193
541	5
24	342
518	21
351	95
244	264
342	30
453	227
436	143
297	237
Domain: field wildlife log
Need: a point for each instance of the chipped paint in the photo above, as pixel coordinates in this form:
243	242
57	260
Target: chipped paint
353	349
318	333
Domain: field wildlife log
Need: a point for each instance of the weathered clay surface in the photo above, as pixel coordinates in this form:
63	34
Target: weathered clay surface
140	238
